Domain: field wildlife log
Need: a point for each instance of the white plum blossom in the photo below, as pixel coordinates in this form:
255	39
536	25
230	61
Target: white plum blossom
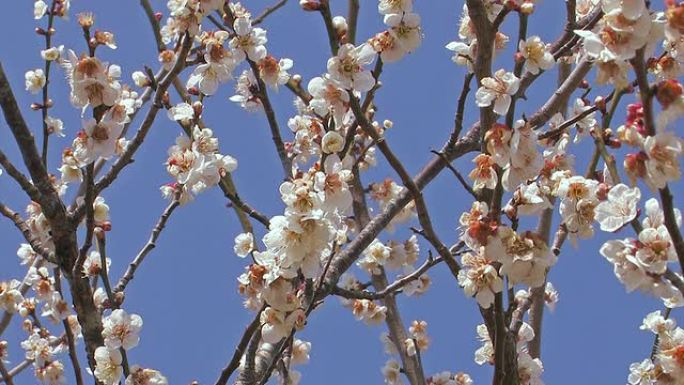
108	367
244	244
55	126
642	373
537	55
619	208
35	80
10	295
663	150
248	42
121	330
142	376
480	279
39	9
347	68
182	112
392	373
387	7
497	90
328	97
402	37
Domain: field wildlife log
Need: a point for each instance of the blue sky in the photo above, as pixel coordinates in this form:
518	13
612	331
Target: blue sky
186	289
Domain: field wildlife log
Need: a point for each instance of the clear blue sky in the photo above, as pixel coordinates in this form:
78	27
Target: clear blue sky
186	289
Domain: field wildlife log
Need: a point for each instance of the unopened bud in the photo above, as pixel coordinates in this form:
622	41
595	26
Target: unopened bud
518	57
106	226
36	106
86	20
310	5
158	16
600	103
584	84
27	325
197	108
668	91
193	91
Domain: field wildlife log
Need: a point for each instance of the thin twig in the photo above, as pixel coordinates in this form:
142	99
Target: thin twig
150	245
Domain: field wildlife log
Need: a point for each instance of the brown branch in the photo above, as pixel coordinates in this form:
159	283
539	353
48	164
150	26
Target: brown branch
395	163
557	100
267	11
69	334
329	26
391	289
460	109
262	94
352	20
90	219
46	99
154	23
5	374
21	225
48	199
151	243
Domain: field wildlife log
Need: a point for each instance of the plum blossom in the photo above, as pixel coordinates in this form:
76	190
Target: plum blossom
480	279
619	208
497	90
525	160
92	82
537	55
121	330
39	9
347	68
244	95
244	244
484	173
392	373
402	37
642	373
108	367
10	295
274	72
35	80
141	376
97	140
328	97
387	7
663	150
249	41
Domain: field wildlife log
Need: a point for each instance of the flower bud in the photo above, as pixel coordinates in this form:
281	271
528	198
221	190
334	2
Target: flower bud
197	108
668	91
310	5
86	20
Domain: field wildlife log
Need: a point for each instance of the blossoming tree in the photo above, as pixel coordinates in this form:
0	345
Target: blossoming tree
334	236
